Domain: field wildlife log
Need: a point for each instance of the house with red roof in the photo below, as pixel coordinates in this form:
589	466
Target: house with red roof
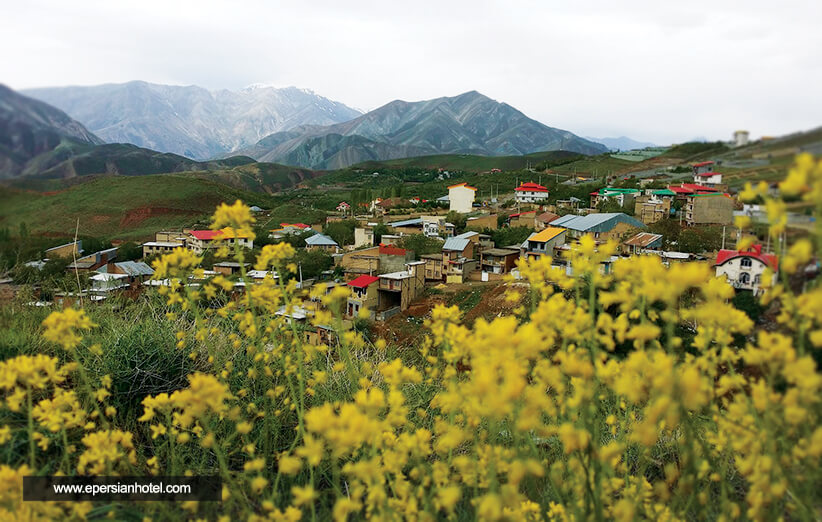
198	241
744	269
708	179
364	294
343	207
531	193
703	166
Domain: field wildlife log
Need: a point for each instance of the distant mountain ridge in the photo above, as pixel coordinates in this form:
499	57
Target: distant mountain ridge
30	128
188	120
622	143
469	123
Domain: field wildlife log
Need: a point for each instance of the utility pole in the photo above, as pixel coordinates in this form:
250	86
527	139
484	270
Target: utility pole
723	237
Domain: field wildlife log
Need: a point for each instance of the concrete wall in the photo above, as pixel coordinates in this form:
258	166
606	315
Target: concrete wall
717	210
461	199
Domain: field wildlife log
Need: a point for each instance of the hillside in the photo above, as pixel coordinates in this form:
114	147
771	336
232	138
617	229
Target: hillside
473	163
189	120
30	128
466	124
120	206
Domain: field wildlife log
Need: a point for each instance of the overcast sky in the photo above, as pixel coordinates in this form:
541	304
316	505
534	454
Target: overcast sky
651	70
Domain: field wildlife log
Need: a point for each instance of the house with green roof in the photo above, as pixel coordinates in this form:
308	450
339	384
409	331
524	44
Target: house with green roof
623	196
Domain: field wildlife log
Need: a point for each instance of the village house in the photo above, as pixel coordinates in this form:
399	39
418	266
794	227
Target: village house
374	260
364	236
228	268
714	208
683	190
622	196
436	226
322	242
198	241
482	222
364	294
158	248
458	258
708	179
523	219
119	276
744	269
343	207
363	261
545	219
603	226
433	267
73	249
407	226
495	262
653	207
702	167
171	236
642	242
461	197
93	262
289	229
397	290
543	243
531	193
568	205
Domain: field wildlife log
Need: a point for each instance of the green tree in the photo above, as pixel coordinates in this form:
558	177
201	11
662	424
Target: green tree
129	251
698	240
420	244
379	231
342	231
669	229
458	220
509	235
313	262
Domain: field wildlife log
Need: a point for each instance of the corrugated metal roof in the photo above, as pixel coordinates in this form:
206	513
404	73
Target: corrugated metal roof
320	240
596	222
134	268
456	243
643	239
406	222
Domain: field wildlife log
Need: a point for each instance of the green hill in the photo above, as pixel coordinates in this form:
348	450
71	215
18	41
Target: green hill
471	163
123	207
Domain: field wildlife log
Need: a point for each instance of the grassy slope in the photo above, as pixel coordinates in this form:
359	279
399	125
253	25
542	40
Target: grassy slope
467	162
120	206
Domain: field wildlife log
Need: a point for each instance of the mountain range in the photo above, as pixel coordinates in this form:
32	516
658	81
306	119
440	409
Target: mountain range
622	143
190	120
30	128
41	141
470	123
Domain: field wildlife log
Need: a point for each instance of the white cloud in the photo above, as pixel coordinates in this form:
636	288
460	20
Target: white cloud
651	70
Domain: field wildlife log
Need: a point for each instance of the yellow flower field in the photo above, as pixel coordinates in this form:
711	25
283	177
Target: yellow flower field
640	394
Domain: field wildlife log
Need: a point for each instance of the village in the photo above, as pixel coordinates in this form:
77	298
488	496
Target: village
387	273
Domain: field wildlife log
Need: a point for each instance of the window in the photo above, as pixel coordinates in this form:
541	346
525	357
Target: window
745	277
745	262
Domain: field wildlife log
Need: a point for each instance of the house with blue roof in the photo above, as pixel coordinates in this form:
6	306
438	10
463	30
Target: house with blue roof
322	242
604	226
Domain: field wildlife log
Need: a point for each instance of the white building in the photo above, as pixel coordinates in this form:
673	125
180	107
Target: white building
743	269
740	138
199	241
531	193
461	197
708	179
